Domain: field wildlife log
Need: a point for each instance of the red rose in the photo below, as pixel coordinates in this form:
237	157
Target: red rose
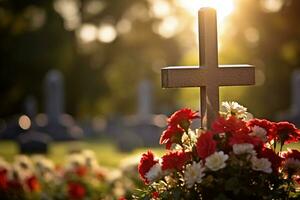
174	160
275	159
171	135
76	191
230	125
270	127
3	179
206	145
147	161
33	184
287	132
183	118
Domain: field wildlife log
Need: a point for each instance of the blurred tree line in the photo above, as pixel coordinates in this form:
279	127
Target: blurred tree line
105	48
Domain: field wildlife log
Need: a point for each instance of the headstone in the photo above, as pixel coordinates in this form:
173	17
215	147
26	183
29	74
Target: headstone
60	126
54	96
209	76
293	114
144	99
32	142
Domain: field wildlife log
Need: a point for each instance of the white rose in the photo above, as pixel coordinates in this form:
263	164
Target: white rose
261	164
193	174
259	132
244	148
216	161
154	173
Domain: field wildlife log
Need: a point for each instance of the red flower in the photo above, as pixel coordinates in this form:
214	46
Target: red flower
122	198
292	153
275	159
3	179
171	135
230	125
240	138
155	195
33	184
174	160
206	145
76	191
147	161
183	118
287	132
81	171
270	127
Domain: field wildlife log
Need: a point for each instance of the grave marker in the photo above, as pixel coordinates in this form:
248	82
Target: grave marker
209	76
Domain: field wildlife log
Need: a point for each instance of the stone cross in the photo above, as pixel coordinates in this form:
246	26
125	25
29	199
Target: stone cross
209	76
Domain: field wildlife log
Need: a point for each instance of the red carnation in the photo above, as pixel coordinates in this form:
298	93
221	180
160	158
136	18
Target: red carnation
206	145
171	135
230	125
270	127
183	118
241	138
287	132
3	179
76	191
33	184
174	160
147	161
275	159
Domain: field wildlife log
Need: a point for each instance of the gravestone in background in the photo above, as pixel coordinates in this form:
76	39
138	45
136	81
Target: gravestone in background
60	126
293	114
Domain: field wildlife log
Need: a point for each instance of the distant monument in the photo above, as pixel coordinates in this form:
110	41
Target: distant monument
60	126
293	114
145	99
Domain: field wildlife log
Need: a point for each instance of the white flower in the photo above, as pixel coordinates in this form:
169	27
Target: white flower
216	161
193	174
154	173
259	132
74	160
244	148
261	164
233	108
292	164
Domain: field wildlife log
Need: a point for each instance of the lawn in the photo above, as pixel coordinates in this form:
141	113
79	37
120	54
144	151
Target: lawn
106	152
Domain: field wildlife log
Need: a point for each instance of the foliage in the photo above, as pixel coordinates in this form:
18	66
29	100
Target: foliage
239	157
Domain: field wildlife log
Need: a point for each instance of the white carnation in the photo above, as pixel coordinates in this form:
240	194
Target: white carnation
154	173
261	164
193	174
259	132
233	108
216	161
244	148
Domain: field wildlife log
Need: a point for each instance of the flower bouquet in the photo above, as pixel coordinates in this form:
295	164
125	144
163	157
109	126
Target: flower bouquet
239	157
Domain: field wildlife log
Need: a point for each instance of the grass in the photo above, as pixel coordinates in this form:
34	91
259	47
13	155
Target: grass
106	152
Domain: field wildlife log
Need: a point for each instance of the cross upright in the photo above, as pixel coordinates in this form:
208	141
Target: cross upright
209	76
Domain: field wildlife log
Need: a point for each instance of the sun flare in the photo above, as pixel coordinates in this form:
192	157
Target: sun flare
223	7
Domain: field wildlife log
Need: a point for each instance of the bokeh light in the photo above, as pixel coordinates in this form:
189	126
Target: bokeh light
24	122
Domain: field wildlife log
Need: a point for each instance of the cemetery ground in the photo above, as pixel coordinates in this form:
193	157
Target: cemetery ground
106	151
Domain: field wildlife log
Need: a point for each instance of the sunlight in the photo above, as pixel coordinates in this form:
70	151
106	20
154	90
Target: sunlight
223	7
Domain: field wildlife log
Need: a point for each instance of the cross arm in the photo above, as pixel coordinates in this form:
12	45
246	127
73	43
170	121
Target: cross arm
186	76
232	75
